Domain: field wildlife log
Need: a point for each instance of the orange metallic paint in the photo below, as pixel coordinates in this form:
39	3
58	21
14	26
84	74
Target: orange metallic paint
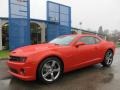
73	57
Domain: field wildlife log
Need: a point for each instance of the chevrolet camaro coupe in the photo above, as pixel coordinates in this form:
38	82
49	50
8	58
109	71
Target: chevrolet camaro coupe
48	62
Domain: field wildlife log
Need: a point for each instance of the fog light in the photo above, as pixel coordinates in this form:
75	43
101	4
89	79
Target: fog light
22	71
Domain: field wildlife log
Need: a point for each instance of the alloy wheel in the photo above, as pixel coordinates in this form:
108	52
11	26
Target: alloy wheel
109	57
51	70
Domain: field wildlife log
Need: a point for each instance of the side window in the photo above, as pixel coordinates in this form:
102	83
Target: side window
88	40
97	40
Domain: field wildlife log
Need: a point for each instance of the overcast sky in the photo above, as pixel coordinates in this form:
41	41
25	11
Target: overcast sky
92	13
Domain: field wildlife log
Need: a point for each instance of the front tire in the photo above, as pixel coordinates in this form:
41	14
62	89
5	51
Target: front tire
108	59
50	70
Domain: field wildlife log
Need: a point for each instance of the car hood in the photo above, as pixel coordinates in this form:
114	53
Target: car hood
27	50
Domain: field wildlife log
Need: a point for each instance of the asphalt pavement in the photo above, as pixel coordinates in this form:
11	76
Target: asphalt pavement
94	77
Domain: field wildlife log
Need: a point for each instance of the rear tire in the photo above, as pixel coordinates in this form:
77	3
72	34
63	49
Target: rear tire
108	58
50	70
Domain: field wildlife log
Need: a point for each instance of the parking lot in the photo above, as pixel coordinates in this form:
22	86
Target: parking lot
91	78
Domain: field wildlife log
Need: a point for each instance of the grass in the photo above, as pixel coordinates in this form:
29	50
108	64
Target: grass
4	54
118	46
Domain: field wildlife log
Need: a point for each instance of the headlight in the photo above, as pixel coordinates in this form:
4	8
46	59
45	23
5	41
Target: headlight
17	59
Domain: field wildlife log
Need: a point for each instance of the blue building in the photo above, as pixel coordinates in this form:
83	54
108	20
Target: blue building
37	27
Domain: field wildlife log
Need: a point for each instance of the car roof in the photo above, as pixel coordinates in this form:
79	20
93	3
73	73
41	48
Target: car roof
80	35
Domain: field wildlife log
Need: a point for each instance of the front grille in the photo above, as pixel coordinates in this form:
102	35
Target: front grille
15	59
13	70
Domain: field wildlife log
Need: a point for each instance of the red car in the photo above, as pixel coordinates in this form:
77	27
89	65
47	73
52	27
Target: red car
47	62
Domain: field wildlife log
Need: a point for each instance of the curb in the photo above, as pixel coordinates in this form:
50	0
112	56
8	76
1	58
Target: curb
1	59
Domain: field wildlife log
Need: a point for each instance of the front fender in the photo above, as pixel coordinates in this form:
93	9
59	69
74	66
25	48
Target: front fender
49	54
37	58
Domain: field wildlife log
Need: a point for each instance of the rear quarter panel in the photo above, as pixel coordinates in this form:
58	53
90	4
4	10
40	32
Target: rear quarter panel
108	45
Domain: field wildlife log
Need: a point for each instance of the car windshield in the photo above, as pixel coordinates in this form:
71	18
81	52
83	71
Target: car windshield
63	40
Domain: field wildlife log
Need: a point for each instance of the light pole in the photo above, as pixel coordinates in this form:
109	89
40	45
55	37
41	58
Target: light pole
80	30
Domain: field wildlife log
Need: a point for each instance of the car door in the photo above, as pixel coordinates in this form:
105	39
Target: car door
99	49
86	52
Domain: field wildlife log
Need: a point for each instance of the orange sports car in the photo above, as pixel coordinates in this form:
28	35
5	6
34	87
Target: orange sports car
47	62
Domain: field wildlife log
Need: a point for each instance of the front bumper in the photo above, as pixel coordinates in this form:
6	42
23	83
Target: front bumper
23	71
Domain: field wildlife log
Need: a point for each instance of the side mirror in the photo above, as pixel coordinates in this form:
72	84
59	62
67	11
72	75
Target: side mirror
79	44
